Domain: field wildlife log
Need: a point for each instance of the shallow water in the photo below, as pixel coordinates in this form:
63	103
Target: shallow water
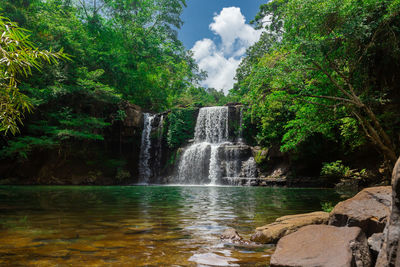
141	225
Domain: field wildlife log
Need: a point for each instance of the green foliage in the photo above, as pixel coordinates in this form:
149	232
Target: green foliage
350	132
327	206
181	124
338	170
78	126
122	175
174	157
18	57
261	156
316	72
335	169
200	97
120	50
22	146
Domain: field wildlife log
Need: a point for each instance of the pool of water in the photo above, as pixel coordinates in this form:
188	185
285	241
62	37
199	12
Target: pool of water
141	225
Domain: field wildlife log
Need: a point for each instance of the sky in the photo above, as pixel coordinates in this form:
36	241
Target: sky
218	33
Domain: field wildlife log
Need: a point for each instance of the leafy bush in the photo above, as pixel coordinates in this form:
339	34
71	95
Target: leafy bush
122	175
327	206
181	124
335	169
20	147
261	155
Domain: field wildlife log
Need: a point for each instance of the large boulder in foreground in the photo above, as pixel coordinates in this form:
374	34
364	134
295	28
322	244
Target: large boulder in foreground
285	225
323	245
389	254
369	210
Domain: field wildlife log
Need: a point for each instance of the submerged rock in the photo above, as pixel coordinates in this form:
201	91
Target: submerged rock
323	245
231	234
390	250
212	259
369	210
232	238
285	225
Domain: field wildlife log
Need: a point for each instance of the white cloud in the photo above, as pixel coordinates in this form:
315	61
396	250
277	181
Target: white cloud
221	61
231	26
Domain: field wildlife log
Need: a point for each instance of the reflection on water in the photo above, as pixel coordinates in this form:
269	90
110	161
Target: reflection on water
141	226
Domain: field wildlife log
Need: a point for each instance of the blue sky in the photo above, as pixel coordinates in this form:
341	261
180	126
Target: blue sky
218	32
198	15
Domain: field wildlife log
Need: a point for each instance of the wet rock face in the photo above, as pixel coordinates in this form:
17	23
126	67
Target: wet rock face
390	250
134	115
368	210
323	245
285	225
234	161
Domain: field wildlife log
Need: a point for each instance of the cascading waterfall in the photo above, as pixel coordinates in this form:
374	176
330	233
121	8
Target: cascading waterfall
212	158
200	162
240	139
212	125
214	172
144	164
158	156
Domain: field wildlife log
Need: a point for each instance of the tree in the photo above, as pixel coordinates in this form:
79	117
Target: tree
18	57
339	43
334	69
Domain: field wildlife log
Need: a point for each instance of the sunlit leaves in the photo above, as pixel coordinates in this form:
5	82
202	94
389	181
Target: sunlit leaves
328	62
18	57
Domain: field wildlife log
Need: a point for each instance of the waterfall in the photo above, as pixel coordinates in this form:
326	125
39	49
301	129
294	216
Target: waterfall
144	165
194	164
199	163
240	139
214	165
212	158
158	156
249	168
212	125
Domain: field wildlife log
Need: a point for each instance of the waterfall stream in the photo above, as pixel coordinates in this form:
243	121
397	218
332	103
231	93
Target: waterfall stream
144	165
212	158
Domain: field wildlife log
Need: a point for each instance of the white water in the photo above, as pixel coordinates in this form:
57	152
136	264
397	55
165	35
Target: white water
158	156
214	166
212	125
144	166
200	162
212	156
240	139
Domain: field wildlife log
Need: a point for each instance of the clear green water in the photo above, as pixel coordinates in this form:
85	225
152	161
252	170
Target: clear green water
141	226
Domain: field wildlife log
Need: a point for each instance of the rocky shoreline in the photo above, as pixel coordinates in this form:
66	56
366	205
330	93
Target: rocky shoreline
361	231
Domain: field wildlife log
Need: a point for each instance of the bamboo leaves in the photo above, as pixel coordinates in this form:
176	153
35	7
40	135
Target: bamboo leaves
18	56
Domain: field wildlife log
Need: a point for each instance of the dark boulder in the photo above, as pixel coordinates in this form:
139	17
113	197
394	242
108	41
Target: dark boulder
133	122
390	251
369	210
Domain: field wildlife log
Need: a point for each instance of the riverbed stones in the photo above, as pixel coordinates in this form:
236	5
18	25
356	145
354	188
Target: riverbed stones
369	210
285	225
390	250
231	235
323	245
